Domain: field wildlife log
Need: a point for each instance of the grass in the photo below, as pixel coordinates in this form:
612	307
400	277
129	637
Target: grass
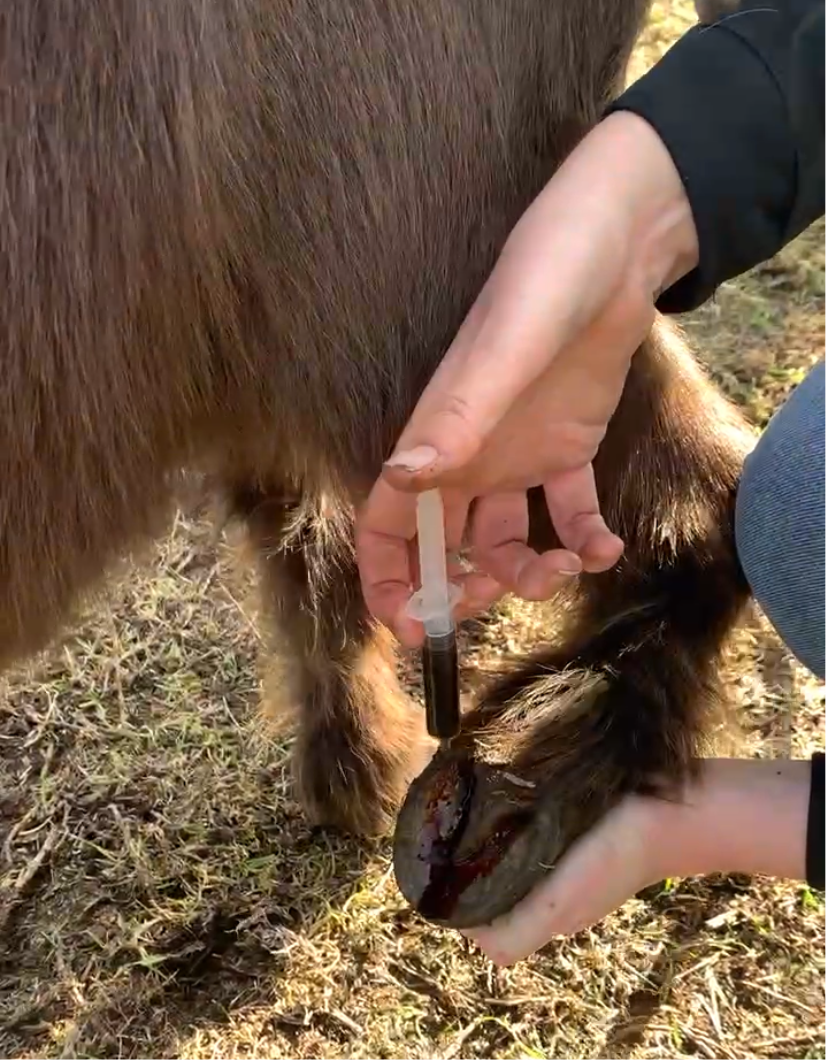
161	894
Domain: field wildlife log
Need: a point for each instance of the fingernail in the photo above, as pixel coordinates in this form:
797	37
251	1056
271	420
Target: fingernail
569	573
413	459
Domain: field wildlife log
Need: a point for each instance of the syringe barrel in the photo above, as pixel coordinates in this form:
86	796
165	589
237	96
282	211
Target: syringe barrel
435	595
440	671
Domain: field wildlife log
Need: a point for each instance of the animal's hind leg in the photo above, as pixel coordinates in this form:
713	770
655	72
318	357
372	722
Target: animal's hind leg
625	699
653	628
359	740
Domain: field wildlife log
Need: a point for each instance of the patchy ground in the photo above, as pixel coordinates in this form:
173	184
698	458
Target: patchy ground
161	895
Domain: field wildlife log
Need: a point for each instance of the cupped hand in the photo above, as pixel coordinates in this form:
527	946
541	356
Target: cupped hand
601	871
525	392
735	815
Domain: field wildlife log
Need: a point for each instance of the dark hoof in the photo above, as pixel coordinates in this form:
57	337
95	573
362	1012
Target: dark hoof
471	840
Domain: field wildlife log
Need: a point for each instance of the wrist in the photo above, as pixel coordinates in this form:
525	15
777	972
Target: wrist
739	815
664	231
663	234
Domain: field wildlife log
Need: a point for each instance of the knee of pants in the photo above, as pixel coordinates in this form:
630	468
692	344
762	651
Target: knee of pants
779	522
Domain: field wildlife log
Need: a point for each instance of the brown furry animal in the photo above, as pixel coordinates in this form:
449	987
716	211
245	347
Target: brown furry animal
237	237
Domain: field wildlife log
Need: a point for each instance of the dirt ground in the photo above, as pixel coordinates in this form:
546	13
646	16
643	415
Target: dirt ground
162	896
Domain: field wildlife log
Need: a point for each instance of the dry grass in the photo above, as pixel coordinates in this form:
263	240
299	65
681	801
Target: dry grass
161	895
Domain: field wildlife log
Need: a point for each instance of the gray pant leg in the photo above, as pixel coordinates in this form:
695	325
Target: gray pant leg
779	522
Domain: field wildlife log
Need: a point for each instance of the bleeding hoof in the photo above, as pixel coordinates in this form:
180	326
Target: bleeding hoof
471	840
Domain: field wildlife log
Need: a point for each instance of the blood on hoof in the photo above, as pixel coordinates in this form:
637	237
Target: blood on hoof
472	839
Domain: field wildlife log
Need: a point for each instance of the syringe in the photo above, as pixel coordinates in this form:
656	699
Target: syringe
432	605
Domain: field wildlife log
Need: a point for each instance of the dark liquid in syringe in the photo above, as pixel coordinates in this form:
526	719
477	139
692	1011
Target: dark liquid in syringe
440	667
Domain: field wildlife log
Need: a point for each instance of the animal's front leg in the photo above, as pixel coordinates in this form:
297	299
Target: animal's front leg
359	739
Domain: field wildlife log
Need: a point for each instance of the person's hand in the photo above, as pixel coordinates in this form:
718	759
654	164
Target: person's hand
601	871
745	816
524	395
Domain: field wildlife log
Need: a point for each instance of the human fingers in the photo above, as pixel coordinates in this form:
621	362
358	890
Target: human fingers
386	552
386	592
499	536
385	530
479	593
600	872
573	505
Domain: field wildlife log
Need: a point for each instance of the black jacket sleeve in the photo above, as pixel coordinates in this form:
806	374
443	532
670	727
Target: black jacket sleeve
739	105
815	826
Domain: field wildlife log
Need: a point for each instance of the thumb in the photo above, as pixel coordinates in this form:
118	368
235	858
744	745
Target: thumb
449	437
507	341
470	393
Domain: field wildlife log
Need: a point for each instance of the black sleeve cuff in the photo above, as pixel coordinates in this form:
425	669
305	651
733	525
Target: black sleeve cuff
719	100
815	827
